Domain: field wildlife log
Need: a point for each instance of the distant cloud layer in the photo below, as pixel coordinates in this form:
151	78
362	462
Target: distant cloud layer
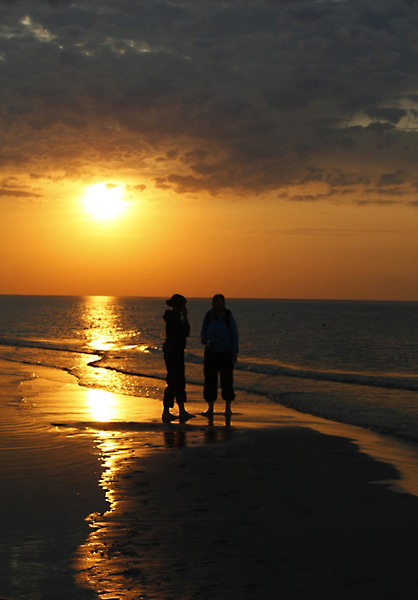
233	96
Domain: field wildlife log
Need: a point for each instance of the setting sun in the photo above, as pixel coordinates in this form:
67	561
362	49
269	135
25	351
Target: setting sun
104	200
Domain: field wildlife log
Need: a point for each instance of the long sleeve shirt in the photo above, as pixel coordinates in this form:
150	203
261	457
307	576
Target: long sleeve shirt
220	333
177	329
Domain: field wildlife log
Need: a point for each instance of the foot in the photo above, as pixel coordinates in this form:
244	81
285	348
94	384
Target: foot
168	417
185	416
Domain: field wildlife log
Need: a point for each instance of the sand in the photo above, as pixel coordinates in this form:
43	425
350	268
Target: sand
273	505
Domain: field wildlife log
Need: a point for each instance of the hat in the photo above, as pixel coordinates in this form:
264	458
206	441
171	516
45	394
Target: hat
176	300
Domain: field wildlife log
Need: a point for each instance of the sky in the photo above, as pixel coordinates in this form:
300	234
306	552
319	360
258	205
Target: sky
257	148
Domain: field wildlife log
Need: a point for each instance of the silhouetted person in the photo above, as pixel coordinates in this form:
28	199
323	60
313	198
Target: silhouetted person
177	329
220	336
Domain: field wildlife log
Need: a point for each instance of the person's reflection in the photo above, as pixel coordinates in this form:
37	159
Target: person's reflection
216	433
227	415
175	439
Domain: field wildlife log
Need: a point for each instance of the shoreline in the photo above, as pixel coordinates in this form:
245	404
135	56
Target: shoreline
277	503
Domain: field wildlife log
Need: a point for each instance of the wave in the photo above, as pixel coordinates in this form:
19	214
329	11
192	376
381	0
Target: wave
70	346
390	381
392	413
379	380
110	359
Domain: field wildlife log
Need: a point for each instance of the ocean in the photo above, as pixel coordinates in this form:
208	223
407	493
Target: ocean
349	361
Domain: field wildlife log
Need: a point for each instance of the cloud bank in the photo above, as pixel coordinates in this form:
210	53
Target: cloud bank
239	97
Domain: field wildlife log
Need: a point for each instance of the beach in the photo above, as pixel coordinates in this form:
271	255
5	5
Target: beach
271	504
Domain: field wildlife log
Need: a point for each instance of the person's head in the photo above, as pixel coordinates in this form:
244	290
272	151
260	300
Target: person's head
218	302
177	301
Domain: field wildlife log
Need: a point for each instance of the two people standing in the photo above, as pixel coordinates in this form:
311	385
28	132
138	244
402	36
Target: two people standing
219	335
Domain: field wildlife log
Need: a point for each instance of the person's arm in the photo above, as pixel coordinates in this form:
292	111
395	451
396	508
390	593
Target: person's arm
186	324
235	337
204	331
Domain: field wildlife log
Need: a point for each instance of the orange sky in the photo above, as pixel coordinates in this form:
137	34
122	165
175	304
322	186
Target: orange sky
252	247
270	156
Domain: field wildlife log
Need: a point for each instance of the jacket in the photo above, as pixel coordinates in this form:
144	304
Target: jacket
177	330
220	334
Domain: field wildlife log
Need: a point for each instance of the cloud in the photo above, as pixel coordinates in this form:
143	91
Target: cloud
231	96
10	189
18	193
396	178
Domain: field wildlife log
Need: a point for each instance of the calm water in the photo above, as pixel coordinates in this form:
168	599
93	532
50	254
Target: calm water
353	362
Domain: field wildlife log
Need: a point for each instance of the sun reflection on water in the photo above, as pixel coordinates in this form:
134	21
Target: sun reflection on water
102	325
121	556
101	405
107	341
106	561
101	344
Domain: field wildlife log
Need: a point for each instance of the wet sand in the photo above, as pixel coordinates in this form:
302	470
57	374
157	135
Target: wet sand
49	483
272	505
264	514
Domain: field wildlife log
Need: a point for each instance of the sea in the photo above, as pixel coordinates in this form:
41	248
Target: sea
353	362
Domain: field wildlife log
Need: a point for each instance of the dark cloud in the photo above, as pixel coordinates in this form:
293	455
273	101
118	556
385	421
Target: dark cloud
396	178
391	114
18	193
235	95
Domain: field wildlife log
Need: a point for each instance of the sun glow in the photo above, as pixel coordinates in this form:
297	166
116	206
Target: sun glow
104	200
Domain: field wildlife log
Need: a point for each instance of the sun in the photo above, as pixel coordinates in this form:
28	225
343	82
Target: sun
104	200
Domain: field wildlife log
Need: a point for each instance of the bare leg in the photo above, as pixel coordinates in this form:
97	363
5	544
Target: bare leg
209	411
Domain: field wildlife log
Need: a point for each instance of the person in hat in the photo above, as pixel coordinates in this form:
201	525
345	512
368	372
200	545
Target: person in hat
177	330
